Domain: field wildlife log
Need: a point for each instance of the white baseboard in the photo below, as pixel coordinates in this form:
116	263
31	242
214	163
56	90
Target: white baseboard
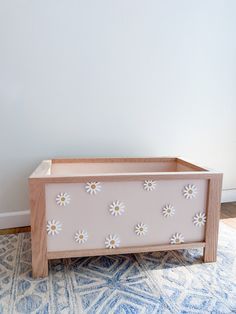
22	218
14	219
228	195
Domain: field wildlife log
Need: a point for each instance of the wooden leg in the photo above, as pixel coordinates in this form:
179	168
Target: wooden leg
38	230
39	267
213	216
209	254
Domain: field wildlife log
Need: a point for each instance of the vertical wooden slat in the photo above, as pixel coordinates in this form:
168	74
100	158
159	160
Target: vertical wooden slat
38	230
213	216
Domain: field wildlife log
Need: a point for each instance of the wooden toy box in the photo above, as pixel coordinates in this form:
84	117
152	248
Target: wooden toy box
101	206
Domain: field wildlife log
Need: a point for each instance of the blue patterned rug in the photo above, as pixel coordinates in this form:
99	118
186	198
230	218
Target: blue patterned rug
165	282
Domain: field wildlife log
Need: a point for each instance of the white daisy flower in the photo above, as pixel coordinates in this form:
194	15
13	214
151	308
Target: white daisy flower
81	236
190	191
63	199
149	185
53	227
93	187
117	208
177	238
112	241
199	219
168	210
141	229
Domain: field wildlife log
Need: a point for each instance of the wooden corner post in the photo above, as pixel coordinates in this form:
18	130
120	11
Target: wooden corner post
38	229
213	216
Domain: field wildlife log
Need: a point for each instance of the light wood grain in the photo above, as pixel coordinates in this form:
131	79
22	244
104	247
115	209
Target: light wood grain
190	171
213	216
124	250
38	232
113	159
188	165
43	169
125	177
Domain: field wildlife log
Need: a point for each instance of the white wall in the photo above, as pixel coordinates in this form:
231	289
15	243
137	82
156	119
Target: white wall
115	78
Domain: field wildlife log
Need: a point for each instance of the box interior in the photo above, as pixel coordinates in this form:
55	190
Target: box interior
60	168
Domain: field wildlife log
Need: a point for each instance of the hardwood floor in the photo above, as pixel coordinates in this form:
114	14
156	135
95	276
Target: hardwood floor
15	230
227	215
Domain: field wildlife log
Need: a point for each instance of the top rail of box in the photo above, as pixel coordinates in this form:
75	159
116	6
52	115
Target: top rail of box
105	169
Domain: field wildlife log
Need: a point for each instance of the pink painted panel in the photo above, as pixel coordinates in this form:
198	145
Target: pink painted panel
91	213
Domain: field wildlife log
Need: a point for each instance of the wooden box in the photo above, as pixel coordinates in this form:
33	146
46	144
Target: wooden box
101	206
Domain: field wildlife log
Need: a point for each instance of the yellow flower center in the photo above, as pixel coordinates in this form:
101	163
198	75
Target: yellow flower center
81	236
112	242
177	240
53	227
117	208
93	186
200	219
63	199
141	229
